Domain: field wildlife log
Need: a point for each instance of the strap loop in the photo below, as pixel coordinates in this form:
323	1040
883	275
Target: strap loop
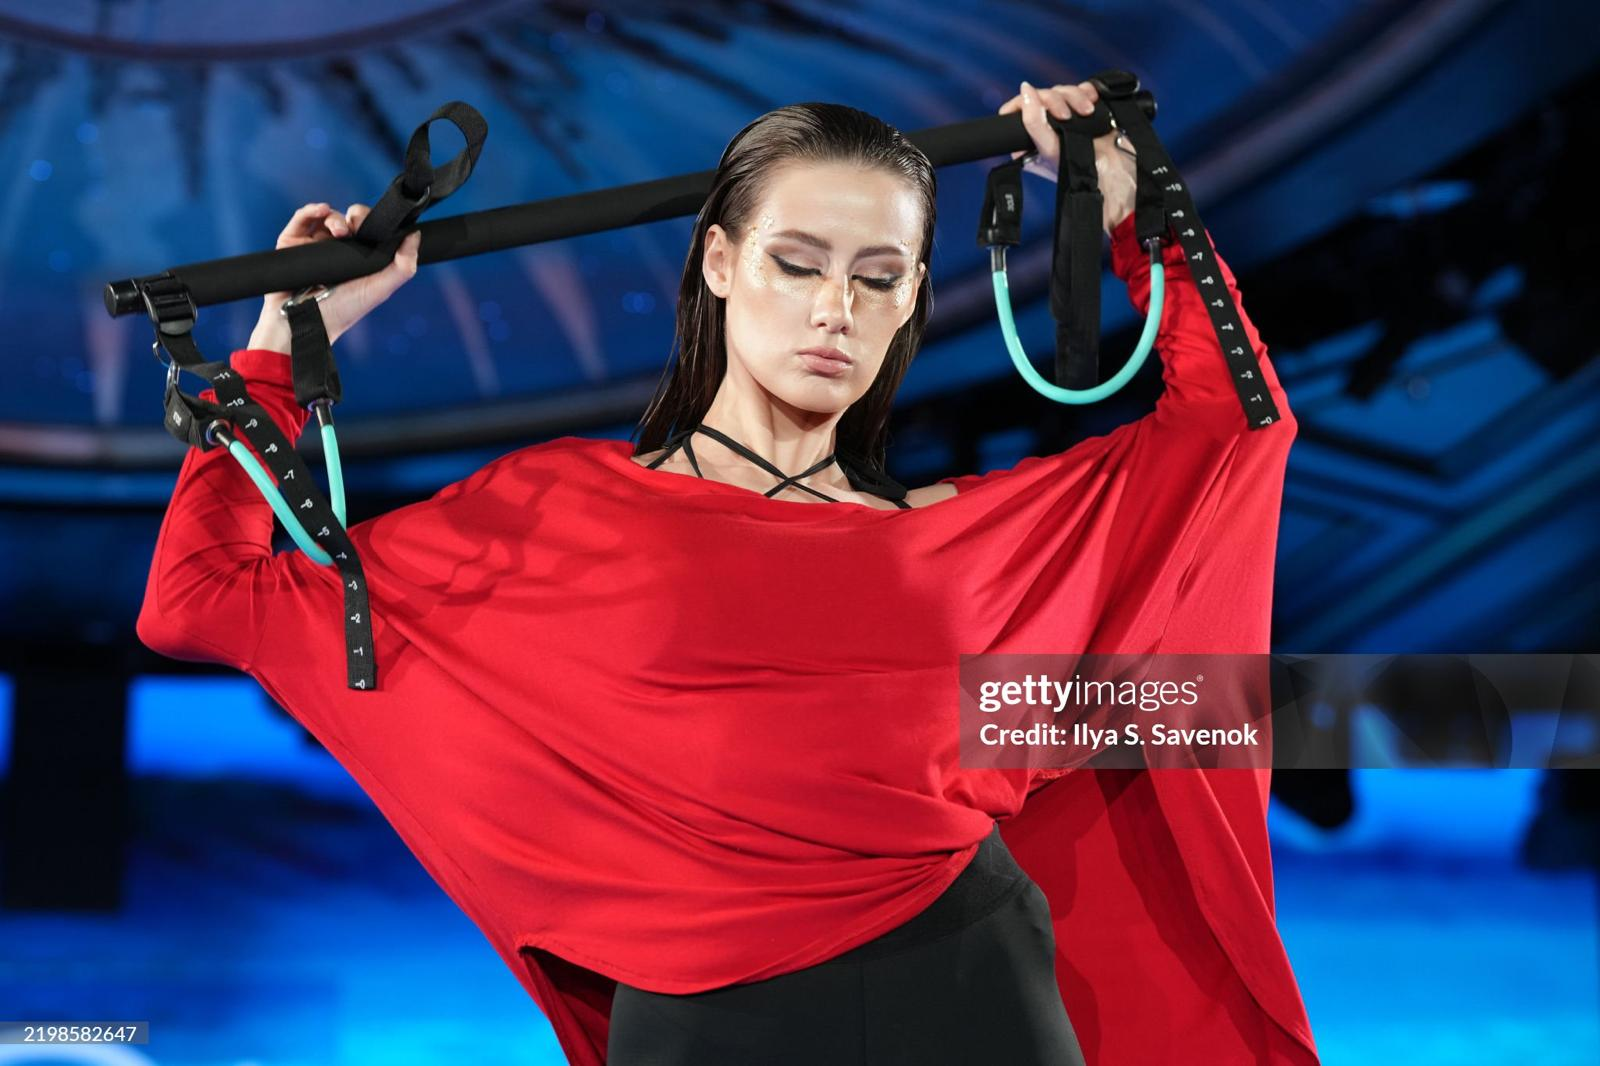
401	206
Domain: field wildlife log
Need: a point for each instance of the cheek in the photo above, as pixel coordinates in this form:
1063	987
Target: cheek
880	313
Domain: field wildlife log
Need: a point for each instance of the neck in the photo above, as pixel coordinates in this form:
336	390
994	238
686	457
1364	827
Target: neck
787	437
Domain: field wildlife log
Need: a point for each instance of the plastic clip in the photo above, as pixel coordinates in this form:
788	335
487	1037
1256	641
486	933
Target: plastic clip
169	305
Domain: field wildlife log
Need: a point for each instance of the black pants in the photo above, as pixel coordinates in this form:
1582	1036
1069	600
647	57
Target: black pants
969	981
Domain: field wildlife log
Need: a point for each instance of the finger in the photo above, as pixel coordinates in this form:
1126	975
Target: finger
1074	98
1033	117
307	218
305	221
407	252
357	214
404	265
1054	104
1013	104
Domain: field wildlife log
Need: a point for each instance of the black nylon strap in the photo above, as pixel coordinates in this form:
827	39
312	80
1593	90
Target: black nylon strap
421	184
1179	212
187	419
1000	222
1075	290
316	377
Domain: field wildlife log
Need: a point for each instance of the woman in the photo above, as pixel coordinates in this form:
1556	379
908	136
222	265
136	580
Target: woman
684	751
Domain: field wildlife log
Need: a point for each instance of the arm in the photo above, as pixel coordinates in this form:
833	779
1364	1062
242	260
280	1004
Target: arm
1209	487
1200	392
1165	527
213	574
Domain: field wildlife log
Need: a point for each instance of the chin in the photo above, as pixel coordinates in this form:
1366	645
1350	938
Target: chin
820	396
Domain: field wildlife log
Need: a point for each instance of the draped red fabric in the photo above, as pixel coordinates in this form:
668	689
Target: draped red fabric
651	728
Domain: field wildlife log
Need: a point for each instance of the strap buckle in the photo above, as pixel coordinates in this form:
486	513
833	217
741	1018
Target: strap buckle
169	305
399	187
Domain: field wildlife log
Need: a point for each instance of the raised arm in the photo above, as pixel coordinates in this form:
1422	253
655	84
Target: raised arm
1193	541
213	573
1166	527
1200	394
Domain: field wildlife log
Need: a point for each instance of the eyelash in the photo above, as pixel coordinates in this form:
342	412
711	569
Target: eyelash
881	284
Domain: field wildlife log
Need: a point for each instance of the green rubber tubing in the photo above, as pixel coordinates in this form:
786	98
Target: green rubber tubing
1052	391
330	454
280	506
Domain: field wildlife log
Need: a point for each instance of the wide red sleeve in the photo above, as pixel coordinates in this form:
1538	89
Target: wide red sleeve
1160	882
213	576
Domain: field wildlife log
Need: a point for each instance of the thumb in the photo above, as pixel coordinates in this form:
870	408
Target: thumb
405	257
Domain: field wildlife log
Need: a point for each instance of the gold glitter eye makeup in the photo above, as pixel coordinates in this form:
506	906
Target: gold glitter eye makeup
792	270
880	284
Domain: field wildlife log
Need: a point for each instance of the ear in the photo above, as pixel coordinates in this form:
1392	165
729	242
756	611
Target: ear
717	264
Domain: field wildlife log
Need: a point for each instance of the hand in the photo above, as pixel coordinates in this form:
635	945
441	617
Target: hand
349	301
1114	164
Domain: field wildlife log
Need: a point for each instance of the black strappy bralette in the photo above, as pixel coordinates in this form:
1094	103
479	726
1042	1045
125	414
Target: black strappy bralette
862	476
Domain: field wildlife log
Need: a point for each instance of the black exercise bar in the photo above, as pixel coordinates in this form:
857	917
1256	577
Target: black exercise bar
330	262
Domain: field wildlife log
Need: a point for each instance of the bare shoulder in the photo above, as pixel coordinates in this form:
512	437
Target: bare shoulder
942	490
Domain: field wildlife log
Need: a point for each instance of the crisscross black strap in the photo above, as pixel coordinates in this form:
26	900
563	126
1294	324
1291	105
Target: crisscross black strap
861	475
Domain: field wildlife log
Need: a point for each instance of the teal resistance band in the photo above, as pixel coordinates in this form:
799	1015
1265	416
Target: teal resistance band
217	433
1074	270
231	419
1048	389
1163	211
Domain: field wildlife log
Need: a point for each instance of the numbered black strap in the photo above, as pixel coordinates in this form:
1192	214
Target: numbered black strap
1158	175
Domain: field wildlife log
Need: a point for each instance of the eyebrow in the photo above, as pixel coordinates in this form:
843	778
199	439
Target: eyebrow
818	242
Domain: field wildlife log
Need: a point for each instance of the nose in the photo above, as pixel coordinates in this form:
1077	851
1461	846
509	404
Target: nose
832	310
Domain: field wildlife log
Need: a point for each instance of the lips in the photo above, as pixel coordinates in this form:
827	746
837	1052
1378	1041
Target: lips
828	353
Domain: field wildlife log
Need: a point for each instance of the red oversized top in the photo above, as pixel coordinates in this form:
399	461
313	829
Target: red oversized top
646	727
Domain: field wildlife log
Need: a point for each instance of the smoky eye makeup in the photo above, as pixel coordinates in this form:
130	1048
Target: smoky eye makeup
882	283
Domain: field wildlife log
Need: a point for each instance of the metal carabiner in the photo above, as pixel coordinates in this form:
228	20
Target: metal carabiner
170	364
312	292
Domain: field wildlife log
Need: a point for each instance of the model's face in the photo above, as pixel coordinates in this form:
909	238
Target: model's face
827	260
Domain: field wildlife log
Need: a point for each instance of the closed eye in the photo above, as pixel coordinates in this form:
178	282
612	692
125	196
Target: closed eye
881	284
